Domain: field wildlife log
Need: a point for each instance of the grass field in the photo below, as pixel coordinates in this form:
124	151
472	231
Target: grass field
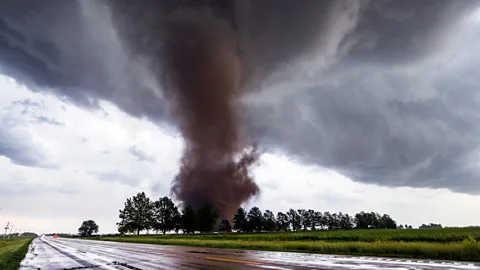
440	244
12	252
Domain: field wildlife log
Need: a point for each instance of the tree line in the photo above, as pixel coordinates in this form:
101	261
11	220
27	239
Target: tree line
140	213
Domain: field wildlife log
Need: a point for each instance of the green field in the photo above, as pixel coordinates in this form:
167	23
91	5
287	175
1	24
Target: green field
441	244
12	251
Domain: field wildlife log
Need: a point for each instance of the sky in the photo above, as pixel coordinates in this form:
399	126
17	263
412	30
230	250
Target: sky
381	119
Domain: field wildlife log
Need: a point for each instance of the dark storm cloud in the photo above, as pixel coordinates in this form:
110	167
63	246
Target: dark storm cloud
71	48
399	31
140	155
360	115
387	127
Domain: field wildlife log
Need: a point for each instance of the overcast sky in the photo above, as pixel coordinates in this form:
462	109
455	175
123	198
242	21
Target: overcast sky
391	126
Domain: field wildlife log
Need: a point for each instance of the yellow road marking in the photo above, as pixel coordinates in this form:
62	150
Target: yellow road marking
231	260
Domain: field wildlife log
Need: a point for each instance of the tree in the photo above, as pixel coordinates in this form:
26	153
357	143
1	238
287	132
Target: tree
311	218
430	226
189	220
306	218
240	222
295	220
346	222
177	221
329	220
301	214
255	219
317	221
269	221
136	215
387	222
361	221
87	228
376	220
206	218
224	226
164	211
283	222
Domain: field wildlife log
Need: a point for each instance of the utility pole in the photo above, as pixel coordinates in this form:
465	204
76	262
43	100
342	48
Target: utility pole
6	228
10	233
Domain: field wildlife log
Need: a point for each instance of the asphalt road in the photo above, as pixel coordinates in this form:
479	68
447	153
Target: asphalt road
60	253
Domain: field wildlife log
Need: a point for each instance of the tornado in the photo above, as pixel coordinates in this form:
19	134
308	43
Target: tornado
201	75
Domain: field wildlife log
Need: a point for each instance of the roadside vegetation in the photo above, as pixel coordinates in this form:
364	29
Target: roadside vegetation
440	244
12	252
302	230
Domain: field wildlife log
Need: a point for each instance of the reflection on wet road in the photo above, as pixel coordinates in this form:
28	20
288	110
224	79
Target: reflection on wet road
60	253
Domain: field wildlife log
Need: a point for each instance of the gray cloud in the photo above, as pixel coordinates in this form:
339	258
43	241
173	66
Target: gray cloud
16	183
111	176
140	155
48	120
18	146
377	127
34	110
373	112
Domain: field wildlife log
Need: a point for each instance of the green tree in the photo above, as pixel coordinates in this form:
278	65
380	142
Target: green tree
164	211
330	220
255	219
295	220
311	217
269	221
376	220
206	218
224	226
317	221
387	222
189	220
136	215
306	218
87	228
361	220
283	222
177	221
346	222
240	222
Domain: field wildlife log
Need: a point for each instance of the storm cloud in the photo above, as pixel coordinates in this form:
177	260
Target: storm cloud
384	92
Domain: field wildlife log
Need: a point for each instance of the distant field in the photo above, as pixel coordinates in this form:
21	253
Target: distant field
440	244
12	252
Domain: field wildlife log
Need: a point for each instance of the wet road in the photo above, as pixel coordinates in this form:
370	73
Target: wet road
49	253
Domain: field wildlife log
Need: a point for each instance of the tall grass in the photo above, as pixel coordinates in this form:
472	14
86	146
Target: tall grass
423	235
444	244
418	250
12	252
